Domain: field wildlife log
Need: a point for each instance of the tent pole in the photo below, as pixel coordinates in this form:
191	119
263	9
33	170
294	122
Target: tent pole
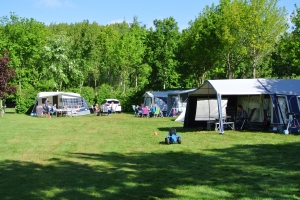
219	98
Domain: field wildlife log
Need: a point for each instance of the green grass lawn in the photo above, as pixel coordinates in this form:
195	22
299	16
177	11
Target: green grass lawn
118	157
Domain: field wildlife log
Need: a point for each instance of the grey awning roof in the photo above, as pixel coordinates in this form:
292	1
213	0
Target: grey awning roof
249	87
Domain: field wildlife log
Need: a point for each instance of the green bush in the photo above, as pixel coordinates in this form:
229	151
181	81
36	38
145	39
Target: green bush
88	94
25	99
131	97
104	92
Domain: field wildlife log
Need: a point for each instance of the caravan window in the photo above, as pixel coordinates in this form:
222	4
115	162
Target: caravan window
72	102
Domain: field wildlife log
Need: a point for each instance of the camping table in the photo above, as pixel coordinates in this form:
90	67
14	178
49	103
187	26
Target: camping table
62	112
224	119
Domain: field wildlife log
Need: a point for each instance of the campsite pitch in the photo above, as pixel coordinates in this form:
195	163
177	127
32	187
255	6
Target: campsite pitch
95	157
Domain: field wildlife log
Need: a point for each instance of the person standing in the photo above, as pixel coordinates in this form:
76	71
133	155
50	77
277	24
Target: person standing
3	107
111	108
46	107
241	116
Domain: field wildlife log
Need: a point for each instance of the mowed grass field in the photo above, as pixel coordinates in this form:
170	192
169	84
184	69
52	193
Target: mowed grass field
118	157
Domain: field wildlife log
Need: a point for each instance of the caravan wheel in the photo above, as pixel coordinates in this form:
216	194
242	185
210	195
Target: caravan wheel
167	140
179	140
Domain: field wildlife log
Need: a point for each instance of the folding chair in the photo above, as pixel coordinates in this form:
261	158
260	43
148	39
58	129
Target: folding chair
158	112
145	112
136	112
247	121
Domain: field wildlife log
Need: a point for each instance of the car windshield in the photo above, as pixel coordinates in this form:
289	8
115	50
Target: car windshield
115	102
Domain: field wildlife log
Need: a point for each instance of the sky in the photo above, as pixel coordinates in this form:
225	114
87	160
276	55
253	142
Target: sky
110	11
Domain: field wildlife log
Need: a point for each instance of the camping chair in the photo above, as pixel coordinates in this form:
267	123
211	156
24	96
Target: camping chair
53	113
136	112
158	112
247	121
39	111
145	112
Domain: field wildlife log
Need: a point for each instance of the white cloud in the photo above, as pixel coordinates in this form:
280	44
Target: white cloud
116	21
54	3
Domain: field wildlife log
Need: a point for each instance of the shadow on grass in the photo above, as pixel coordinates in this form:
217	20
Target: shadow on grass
243	171
179	129
9	112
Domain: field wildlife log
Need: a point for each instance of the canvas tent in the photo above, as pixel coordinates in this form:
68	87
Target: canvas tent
277	96
167	100
158	98
67	99
177	101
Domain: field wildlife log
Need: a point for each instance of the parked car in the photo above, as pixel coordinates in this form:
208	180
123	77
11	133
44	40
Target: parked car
107	102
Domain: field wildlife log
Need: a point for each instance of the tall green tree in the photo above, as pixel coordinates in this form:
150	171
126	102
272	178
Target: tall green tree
85	51
231	34
6	74
162	43
286	59
24	39
200	46
61	67
265	23
133	53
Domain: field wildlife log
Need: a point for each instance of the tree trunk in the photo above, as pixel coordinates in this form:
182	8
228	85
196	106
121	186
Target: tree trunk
229	68
203	78
136	82
1	109
254	67
254	62
20	86
80	87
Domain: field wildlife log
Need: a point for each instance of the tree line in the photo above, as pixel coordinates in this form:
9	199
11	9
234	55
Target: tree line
234	39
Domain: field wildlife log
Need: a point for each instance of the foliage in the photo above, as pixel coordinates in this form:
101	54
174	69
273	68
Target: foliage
104	92
25	98
87	93
162	45
61	67
6	74
199	46
285	60
268	23
24	39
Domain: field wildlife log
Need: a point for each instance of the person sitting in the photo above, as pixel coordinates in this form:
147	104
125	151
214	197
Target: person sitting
75	111
152	110
241	116
53	109
96	109
140	110
145	111
111	108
